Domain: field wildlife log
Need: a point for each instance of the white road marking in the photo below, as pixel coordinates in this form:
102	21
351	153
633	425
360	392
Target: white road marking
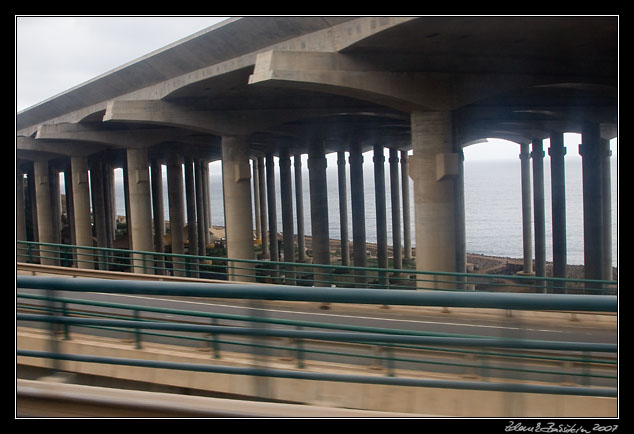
344	316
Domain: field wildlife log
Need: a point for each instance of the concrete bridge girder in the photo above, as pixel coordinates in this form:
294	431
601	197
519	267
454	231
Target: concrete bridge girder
108	138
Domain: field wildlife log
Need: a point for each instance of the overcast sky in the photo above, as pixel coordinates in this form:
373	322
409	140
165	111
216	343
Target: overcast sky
54	54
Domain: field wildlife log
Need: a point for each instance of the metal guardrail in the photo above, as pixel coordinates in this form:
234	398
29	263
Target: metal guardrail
340	295
302	274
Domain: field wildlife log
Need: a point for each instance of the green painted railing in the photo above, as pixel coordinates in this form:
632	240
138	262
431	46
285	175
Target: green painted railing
390	339
302	274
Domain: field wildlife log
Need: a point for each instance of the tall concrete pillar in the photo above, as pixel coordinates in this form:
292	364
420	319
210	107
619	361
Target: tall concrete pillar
45	214
433	168
156	173
176	209
70	212
381	212
81	210
192	222
537	154
318	201
606	207
395	197
591	154
527	232
206	201
31	194
236	175
343	208
358	210
558	187
407	231
140	208
200	208
264	214
271	199
460	218
256	198
20	214
299	207
286	196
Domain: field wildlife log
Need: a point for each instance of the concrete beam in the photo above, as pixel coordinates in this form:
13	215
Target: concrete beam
358	77
225	122
138	138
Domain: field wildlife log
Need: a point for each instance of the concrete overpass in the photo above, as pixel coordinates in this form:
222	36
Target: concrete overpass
251	88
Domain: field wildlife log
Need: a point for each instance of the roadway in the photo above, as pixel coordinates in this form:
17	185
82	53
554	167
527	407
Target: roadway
487	323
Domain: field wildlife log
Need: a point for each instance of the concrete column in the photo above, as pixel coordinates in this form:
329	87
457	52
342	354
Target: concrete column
44	212
99	210
264	217
159	215
140	208
206	201
200	208
176	209
271	200
407	231
527	232
20	215
70	209
558	187
460	218
435	167
395	197
299	207
358	211
81	210
343	208
286	196
53	176
256	198
318	202
381	212
537	154
606	207
590	151
192	223
31	180
236	177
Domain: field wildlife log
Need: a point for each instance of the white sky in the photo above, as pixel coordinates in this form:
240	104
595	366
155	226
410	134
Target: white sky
56	53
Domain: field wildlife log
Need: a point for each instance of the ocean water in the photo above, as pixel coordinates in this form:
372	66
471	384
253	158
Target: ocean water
492	205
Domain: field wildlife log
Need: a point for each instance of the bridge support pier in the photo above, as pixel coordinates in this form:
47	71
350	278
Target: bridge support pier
435	167
358	209
299	208
236	175
557	151
176	209
396	209
140	226
318	186
45	214
343	208
81	210
527	233
407	233
597	226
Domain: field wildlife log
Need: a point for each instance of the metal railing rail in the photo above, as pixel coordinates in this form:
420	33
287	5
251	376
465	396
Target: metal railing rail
214	341
303	274
368	296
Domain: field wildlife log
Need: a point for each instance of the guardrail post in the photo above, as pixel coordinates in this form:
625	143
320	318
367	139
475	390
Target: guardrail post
137	331
66	326
215	343
300	351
